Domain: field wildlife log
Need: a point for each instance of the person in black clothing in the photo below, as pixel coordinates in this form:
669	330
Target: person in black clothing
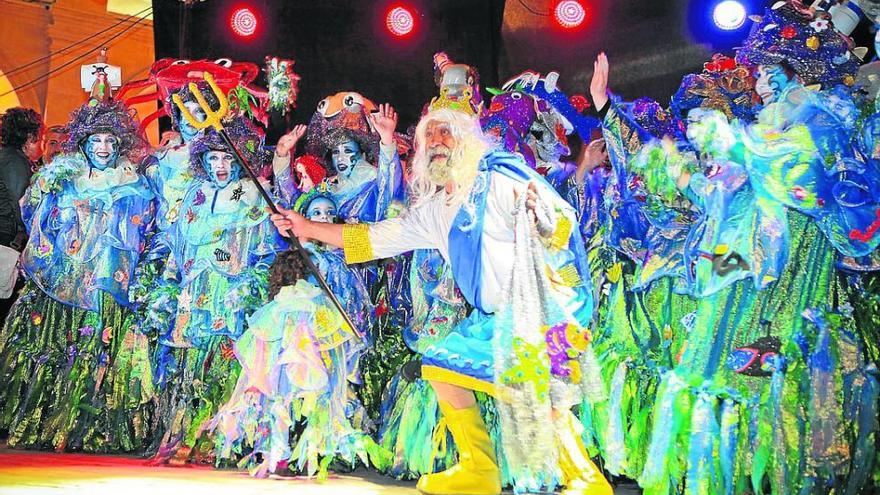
20	133
20	145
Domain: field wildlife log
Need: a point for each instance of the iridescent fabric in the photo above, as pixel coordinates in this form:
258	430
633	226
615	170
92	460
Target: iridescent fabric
800	155
222	246
681	406
299	359
86	230
170	177
74	379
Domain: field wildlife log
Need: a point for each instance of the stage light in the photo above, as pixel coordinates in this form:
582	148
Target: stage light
243	22
729	15
400	21
569	14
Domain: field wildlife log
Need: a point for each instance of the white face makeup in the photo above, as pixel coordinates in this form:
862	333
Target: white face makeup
187	132
222	167
345	156
102	150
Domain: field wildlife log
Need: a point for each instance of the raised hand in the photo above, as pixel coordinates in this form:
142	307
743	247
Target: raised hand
599	83
385	121
593	155
288	141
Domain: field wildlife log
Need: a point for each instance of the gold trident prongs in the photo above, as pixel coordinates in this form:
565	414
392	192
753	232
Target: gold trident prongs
212	117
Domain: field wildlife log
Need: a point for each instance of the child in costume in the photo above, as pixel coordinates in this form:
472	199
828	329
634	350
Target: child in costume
75	369
299	362
221	248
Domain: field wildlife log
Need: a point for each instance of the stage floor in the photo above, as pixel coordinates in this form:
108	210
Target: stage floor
29	473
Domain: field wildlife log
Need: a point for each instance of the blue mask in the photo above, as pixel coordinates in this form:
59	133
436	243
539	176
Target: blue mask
345	156
771	82
222	167
188	132
101	150
321	210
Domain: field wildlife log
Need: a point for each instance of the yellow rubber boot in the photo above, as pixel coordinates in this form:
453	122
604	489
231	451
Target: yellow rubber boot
579	475
477	471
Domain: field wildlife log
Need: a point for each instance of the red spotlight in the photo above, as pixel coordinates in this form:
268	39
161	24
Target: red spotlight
400	20
569	14
243	22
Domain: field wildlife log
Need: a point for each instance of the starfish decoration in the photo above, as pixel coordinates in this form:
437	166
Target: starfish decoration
238	193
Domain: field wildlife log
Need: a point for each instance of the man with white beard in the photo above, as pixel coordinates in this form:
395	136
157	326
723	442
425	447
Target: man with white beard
519	261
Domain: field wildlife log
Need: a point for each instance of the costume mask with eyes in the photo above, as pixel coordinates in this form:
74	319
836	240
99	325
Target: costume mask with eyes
101	150
221	166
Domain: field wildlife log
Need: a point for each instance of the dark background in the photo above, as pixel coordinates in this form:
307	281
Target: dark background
343	45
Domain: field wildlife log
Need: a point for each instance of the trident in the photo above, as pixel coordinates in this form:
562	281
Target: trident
213	119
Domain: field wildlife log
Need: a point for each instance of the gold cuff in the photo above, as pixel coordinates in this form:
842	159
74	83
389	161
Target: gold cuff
356	243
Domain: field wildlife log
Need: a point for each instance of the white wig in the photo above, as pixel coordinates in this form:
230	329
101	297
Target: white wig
470	146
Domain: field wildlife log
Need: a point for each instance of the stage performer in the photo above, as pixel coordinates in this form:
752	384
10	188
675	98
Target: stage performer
222	246
764	349
300	364
514	252
169	174
75	370
343	133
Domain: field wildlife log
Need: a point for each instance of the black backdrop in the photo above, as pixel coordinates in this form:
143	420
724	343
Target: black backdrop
339	45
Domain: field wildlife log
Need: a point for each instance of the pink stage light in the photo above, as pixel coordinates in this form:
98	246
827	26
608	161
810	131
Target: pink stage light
400	21
569	14
243	22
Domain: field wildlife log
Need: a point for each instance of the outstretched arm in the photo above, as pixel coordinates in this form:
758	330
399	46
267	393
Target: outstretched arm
365	242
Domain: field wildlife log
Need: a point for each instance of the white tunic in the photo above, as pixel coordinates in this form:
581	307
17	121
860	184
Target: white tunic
427	226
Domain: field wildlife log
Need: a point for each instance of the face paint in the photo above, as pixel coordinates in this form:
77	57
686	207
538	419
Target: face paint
345	156
222	167
440	144
321	210
771	81
102	150
187	132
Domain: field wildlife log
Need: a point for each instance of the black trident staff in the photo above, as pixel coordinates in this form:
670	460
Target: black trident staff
213	119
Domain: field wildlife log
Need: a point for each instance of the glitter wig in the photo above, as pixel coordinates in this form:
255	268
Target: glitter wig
110	117
247	138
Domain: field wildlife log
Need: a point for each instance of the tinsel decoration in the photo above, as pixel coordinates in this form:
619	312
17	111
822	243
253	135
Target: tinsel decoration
241	102
283	84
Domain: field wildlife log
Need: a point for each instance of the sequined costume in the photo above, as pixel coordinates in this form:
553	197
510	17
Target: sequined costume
221	248
740	385
75	369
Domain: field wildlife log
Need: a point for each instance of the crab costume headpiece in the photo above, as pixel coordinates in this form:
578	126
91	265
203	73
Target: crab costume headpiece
171	76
